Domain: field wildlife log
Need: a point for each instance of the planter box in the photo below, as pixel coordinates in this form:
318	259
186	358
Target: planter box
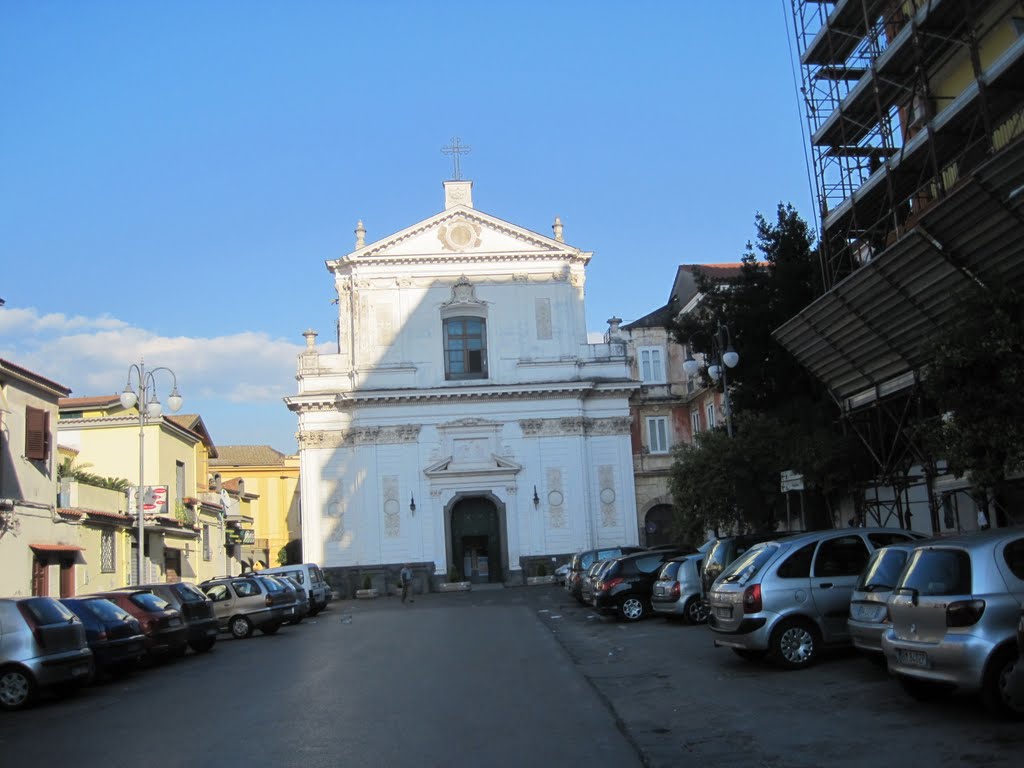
455	586
366	594
531	580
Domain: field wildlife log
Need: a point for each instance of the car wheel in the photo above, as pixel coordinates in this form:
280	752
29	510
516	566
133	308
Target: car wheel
202	646
996	692
17	688
794	644
922	690
240	627
632	608
695	611
269	629
749	654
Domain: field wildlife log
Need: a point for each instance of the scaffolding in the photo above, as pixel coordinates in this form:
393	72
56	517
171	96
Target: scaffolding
902	99
915	118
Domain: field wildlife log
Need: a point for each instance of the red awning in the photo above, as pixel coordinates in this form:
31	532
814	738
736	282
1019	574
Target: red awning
56	548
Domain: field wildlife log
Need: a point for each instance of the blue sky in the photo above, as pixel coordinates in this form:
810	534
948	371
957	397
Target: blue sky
174	175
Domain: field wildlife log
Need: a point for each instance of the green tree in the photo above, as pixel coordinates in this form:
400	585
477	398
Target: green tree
975	381
783	418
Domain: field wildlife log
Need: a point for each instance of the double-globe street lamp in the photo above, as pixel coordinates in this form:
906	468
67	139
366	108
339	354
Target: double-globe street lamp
723	358
149	407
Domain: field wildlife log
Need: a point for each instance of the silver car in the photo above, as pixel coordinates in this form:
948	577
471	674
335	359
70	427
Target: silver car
785	599
42	645
677	592
869	611
954	617
242	603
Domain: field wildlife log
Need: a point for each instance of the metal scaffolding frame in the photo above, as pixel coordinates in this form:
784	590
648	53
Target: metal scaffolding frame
886	142
919	179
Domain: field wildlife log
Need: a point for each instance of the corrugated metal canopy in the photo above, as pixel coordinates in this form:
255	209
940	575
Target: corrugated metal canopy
868	335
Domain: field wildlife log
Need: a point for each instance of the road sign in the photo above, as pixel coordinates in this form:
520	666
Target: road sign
792	481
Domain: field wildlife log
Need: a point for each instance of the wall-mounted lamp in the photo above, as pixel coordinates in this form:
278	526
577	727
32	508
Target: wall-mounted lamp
536	498
412	503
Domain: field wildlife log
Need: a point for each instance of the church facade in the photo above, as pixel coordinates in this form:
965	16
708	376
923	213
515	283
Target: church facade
463	423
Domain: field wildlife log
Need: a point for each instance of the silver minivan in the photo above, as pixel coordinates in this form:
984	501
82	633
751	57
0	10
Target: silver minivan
309	576
954	616
785	599
42	645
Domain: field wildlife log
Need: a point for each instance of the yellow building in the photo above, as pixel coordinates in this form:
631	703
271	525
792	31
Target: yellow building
274	477
185	526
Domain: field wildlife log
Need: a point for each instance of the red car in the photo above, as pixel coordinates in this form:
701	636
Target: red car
166	633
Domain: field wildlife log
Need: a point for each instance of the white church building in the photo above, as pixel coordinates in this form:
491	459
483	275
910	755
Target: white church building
464	423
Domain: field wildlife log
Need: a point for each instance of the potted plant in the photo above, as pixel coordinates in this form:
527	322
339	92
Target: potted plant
455	582
367	591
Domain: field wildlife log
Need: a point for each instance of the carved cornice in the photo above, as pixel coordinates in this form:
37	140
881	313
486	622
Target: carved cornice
346	438
522	235
575	425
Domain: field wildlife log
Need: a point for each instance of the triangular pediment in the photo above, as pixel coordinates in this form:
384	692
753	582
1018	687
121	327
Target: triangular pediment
462	231
452	467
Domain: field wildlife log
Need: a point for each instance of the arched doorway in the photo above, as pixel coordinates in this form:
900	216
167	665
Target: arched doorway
476	540
657	523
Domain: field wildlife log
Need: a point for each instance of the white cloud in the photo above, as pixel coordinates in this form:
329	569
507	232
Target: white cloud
92	356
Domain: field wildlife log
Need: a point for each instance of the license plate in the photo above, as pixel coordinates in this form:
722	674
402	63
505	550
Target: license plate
659	591
723	612
79	670
912	658
867	611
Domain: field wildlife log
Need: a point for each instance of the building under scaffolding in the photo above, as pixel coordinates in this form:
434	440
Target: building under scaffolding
915	117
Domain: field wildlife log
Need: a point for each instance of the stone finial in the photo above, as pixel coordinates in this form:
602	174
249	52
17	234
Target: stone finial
310	335
360	234
613	327
557	229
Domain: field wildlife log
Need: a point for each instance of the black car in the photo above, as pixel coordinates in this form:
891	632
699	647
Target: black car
114	636
625	585
582	561
196	611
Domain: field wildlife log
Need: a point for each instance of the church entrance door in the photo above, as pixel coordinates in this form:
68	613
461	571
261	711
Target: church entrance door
476	540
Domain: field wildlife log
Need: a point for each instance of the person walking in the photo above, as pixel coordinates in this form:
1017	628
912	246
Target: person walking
406	578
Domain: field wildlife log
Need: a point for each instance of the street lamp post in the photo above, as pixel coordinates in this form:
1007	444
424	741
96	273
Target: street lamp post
149	407
724	357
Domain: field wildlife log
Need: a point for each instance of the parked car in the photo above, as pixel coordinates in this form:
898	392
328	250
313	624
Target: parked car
298	594
723	550
311	578
786	598
114	635
955	615
42	646
561	572
581	561
869	611
165	630
624	587
677	590
590	578
1015	679
244	603
195	608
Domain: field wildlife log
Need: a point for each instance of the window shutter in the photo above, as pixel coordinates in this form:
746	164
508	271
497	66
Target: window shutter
37	434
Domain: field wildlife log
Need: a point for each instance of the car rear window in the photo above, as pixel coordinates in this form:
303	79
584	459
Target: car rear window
105	609
884	539
649	563
273	585
188	593
798	565
882	570
938	572
1014	556
746	566
668	571
46	610
246	587
149	602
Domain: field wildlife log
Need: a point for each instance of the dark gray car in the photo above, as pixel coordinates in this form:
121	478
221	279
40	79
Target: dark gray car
42	645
